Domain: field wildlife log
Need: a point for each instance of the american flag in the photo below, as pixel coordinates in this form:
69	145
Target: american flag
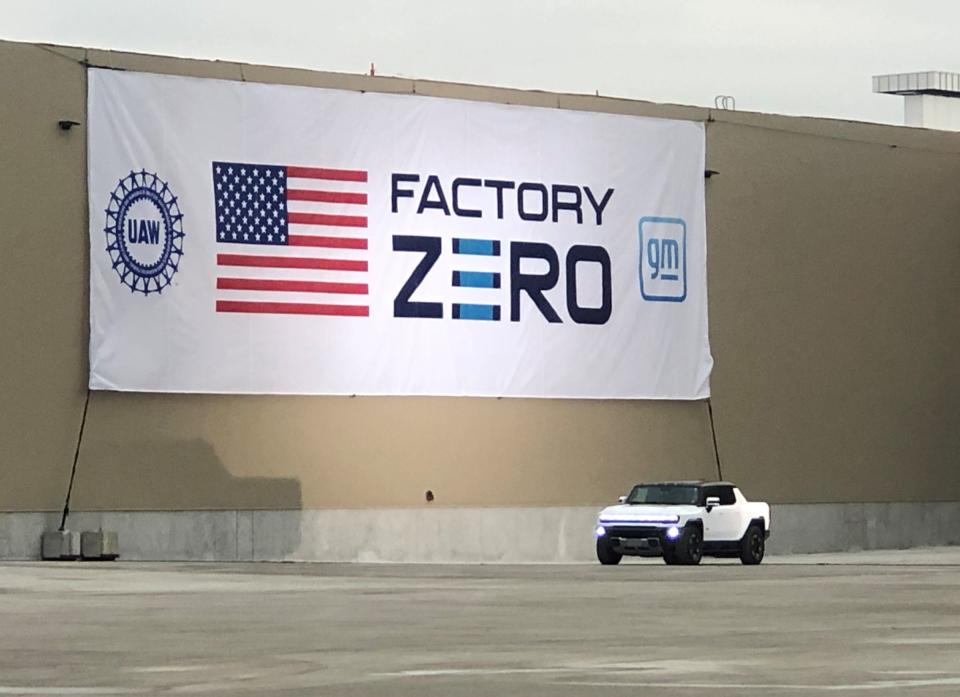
290	240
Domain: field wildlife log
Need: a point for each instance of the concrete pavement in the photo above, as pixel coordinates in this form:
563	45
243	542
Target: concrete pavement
876	622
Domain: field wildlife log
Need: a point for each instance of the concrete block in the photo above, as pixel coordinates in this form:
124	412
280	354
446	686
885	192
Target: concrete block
441	535
802	528
245	536
19	533
168	535
60	545
103	545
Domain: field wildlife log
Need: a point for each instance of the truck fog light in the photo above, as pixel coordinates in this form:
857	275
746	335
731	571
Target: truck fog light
673	532
600	531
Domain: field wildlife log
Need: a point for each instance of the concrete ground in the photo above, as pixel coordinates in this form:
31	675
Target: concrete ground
876	622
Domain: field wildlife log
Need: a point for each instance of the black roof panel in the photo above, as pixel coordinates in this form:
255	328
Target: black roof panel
686	482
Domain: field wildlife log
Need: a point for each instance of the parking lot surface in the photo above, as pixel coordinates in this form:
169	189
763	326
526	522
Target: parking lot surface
884	623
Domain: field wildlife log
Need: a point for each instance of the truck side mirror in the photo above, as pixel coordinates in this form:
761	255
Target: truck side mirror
712	502
622	499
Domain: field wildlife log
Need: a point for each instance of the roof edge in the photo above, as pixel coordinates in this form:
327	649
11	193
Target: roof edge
841	129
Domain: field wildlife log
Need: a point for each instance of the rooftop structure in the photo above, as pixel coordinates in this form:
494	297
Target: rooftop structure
931	98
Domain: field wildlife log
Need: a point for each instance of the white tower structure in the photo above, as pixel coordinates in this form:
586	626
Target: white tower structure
931	99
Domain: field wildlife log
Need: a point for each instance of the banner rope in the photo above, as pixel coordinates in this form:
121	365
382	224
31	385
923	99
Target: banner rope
76	457
713	432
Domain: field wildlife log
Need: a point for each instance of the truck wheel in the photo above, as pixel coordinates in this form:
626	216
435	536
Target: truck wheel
752	545
670	557
690	546
606	554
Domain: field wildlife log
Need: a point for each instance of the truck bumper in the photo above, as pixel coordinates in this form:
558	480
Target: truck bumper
637	546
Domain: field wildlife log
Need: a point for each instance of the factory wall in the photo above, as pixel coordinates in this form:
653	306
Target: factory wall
833	250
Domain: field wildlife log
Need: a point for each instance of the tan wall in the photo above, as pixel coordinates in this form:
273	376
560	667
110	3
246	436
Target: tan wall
833	383
43	271
834	282
173	451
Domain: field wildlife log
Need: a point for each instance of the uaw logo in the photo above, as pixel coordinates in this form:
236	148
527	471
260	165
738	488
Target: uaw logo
144	232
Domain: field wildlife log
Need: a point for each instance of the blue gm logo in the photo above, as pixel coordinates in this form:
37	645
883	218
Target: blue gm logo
144	232
663	259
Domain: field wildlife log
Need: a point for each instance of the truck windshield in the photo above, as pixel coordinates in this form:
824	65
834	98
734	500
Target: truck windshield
669	494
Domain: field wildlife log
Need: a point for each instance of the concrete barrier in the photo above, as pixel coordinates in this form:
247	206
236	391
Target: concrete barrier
450	535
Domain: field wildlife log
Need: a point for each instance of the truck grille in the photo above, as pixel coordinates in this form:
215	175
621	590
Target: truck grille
633	532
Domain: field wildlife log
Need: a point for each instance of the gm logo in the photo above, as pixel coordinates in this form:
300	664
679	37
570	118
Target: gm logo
663	259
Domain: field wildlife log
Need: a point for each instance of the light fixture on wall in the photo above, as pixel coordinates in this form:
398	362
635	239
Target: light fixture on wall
66	124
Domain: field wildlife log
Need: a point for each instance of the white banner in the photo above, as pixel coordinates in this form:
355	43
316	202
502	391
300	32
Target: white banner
250	238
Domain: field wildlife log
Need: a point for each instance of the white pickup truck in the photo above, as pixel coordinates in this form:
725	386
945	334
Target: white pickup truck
682	522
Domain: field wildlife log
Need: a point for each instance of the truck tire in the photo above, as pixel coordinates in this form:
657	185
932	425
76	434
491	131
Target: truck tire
752	545
689	548
606	553
670	557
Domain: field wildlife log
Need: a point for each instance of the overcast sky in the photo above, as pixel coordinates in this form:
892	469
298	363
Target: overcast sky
796	57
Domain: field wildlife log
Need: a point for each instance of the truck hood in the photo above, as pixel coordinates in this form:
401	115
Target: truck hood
646	513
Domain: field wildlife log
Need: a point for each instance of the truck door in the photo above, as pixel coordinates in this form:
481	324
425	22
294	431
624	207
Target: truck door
723	521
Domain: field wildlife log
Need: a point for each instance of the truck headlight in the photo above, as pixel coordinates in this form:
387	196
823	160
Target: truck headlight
673	532
600	531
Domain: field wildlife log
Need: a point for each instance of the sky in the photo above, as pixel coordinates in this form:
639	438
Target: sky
808	57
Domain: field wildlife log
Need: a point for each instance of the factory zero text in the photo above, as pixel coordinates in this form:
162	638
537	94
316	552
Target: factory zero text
530	202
